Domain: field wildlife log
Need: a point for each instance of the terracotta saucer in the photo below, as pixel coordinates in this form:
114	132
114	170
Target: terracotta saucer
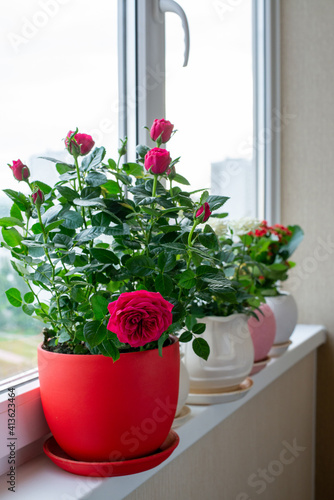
182	417
221	397
279	349
259	365
109	469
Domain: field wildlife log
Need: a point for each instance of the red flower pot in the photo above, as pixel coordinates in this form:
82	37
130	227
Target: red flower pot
98	410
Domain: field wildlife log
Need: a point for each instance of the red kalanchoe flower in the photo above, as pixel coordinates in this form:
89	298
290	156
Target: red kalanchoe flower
20	171
80	145
207	212
157	160
38	197
161	127
260	232
140	317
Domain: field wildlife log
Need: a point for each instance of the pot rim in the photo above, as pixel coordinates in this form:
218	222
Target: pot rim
91	356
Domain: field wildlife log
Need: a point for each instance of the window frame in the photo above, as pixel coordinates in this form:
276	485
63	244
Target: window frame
142	98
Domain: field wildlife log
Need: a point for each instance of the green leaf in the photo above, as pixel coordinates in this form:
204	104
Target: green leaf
29	298
64	336
16	212
163	284
94	159
10	222
67	193
187	279
94	332
88	234
199	328
92	202
28	309
78	294
100	306
44	187
185	336
201	348
11	236
133	169
108	348
51	214
180	179
72	219
139	265
20	199
142	150
14	297
111	187
95	179
104	256
216	202
204	197
63	168
62	241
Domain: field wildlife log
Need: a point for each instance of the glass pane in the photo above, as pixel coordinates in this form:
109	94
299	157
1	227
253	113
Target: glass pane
211	101
59	71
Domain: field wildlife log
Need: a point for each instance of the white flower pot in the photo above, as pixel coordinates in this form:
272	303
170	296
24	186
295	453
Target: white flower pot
231	355
285	311
183	387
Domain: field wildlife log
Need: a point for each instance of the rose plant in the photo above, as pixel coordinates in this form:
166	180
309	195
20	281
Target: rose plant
107	236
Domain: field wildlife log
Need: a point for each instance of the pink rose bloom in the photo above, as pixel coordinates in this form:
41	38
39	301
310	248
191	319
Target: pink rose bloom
38	197
207	212
81	144
139	317
157	160
161	127
20	171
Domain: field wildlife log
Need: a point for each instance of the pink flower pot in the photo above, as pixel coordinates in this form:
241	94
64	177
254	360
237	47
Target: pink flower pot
263	331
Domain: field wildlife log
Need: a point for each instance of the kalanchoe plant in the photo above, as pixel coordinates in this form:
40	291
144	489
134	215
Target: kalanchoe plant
105	230
264	255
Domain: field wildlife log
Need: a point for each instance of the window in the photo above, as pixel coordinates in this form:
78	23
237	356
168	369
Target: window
211	101
60	72
63	61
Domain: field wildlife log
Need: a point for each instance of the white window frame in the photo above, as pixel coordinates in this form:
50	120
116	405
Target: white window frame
142	96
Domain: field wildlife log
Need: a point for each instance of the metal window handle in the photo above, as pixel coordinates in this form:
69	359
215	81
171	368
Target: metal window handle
172	6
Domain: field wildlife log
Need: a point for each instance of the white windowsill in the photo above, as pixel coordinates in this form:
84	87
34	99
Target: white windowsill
40	478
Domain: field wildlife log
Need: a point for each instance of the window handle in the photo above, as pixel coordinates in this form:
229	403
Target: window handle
172	6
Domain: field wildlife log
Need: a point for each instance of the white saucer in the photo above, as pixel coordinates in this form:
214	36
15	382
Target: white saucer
221	397
279	349
259	365
180	419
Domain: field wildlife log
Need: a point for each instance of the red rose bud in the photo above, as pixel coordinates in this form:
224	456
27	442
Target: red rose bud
38	197
207	212
80	145
161	127
20	171
157	160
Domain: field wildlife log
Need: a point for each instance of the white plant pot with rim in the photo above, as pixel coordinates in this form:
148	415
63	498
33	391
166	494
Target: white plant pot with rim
184	386
231	355
285	311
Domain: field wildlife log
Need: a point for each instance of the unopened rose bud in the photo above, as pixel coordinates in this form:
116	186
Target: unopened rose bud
204	209
38	197
162	128
80	144
157	160
21	172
